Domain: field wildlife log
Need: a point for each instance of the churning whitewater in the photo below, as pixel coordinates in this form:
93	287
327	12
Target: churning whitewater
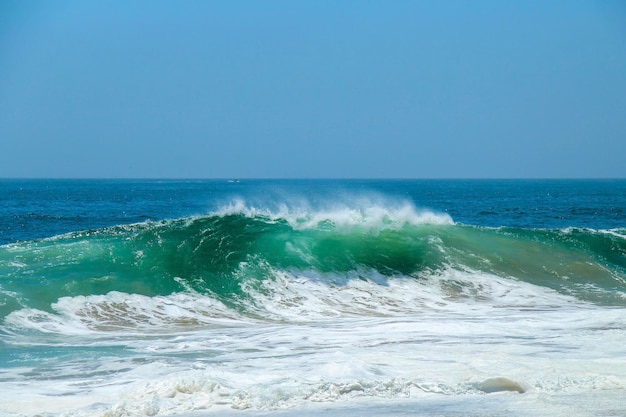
365	302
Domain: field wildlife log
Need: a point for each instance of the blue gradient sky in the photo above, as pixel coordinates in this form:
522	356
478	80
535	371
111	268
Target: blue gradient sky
220	89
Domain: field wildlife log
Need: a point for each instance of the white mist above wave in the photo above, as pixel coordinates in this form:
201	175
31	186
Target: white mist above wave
371	212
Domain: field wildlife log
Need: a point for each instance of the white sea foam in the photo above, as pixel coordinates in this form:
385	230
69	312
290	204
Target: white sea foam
553	354
121	312
309	295
289	296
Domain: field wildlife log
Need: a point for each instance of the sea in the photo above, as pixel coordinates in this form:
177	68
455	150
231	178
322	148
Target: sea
312	297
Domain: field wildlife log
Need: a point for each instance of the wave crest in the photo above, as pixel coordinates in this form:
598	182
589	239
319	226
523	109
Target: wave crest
366	213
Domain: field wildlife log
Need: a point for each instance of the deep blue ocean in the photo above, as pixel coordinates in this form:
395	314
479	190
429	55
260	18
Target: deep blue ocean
32	209
312	297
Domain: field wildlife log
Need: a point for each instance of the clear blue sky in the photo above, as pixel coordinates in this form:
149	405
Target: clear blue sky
221	89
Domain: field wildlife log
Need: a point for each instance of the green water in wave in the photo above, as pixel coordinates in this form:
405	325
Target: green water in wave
214	254
588	264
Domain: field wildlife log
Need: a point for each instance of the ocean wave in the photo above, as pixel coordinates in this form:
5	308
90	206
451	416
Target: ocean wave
240	254
288	297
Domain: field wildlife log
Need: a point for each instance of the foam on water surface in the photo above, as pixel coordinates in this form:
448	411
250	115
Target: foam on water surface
278	366
424	345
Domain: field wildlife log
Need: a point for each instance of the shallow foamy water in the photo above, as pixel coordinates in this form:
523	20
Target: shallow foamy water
517	349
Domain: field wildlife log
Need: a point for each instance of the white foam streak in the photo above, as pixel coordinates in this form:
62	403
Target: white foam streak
121	312
621	233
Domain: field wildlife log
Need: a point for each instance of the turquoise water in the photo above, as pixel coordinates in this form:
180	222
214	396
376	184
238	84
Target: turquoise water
160	297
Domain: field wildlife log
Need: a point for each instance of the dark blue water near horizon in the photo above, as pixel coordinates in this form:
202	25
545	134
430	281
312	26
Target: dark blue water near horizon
38	208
